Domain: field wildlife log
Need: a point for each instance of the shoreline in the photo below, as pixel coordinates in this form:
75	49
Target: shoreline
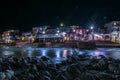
80	45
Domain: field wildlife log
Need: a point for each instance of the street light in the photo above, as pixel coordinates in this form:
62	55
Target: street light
61	24
91	27
44	35
74	30
43	32
58	31
92	32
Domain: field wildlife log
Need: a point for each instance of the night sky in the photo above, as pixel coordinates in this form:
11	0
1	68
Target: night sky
24	15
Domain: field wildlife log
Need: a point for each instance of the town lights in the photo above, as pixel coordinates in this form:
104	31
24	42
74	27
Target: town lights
58	31
64	33
33	39
74	30
61	24
23	38
43	32
91	27
56	34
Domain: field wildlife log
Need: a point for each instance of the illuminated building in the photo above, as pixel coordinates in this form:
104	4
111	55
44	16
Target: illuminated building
26	36
113	28
50	35
40	29
10	36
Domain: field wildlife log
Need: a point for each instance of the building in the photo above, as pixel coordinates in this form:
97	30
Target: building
113	28
46	34
10	36
39	29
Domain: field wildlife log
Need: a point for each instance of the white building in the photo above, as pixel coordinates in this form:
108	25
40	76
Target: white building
114	29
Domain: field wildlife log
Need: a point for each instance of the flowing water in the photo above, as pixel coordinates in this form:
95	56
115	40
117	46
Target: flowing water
57	54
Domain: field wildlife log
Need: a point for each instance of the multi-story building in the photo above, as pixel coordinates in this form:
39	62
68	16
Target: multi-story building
46	33
39	29
10	36
113	28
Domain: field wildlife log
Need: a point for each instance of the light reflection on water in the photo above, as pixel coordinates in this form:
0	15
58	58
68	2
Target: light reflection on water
7	53
43	52
57	54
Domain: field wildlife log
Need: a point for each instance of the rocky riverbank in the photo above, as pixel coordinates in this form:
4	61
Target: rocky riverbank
75	67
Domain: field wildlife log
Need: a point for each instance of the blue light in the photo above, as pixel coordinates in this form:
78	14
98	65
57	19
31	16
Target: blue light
43	32
57	34
91	27
58	31
58	53
44	52
30	53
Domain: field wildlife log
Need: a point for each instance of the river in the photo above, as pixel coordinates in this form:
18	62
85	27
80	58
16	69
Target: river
57	54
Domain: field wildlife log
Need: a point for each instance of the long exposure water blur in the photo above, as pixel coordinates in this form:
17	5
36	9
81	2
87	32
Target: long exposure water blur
56	54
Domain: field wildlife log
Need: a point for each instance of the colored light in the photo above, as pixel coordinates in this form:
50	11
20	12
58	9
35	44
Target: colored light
33	39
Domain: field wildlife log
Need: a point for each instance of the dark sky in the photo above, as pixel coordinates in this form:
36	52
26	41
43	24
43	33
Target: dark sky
24	15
